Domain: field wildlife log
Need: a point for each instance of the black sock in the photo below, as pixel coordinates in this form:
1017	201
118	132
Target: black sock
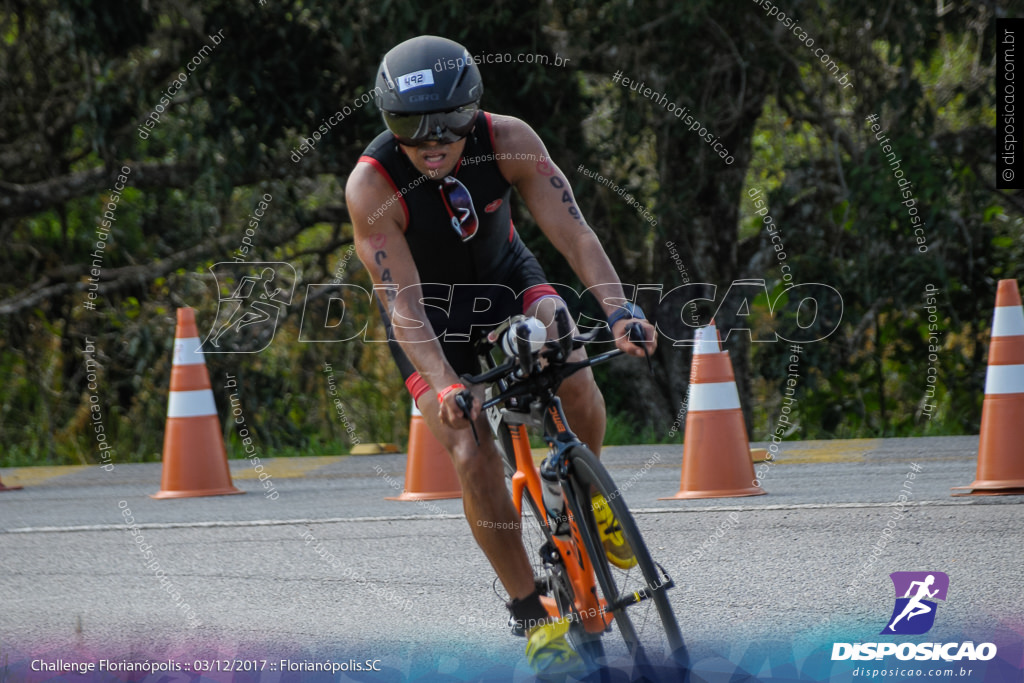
528	611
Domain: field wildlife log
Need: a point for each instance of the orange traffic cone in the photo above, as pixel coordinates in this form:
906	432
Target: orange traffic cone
716	453
195	462
8	488
429	473
1000	458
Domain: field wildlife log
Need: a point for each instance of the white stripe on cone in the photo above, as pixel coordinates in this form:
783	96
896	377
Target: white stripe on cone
1008	321
714	396
186	351
197	403
1004	379
415	410
706	340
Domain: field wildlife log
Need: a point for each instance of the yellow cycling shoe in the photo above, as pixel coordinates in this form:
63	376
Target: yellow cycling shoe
547	650
615	546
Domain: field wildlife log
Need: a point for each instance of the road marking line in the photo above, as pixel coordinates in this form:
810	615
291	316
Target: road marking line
404	518
286	468
847	450
226	523
33	476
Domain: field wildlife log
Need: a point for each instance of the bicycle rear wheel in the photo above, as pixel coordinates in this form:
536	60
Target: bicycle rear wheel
637	596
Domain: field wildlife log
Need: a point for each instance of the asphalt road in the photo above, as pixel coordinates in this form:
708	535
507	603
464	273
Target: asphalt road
790	570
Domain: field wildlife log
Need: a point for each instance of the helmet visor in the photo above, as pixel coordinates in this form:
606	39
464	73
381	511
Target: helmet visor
444	127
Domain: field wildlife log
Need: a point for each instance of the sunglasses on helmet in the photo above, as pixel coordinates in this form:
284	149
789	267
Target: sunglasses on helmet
444	126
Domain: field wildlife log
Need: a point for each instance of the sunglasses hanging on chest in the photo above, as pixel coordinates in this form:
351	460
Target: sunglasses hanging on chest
459	204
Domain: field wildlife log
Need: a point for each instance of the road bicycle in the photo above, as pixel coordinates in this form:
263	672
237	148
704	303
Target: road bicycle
557	509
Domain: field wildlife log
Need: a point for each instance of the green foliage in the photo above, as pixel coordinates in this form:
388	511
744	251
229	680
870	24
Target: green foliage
622	431
85	76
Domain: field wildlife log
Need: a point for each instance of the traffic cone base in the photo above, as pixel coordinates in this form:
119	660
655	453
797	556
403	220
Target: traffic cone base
195	462
429	472
971	491
194	467
1000	469
9	488
373	448
997	476
1000	474
709	434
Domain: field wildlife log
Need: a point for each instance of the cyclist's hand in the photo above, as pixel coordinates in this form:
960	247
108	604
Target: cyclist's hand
453	415
623	338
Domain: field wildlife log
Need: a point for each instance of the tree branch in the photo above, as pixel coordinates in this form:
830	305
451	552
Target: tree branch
24	200
70	278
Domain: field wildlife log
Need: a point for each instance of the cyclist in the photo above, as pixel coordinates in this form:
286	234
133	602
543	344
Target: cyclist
429	203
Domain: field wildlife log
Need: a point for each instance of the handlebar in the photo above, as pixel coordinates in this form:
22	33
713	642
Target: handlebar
522	368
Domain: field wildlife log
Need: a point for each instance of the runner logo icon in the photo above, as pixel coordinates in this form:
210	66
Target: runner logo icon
916	592
251	298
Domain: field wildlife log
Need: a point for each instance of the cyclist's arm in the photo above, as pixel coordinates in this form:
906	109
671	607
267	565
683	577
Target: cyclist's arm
385	253
524	162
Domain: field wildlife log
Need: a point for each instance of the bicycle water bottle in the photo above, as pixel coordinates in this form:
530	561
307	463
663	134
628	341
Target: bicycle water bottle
554	502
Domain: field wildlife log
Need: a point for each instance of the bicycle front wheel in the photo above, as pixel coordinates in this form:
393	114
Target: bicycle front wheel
635	592
549	571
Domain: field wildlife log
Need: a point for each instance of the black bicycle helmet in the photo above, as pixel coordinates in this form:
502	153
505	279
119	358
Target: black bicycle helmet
429	88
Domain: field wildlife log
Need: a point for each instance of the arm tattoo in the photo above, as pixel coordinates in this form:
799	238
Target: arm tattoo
560	184
377	241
